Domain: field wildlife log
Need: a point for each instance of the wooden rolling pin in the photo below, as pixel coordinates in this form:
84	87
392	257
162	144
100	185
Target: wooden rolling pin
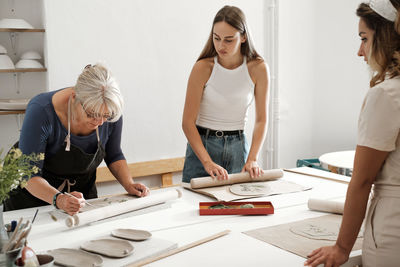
242	177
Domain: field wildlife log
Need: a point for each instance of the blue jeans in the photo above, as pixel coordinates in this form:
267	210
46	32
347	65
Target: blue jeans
230	152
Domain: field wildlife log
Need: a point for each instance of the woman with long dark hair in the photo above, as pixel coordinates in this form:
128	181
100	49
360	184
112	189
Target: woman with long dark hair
227	76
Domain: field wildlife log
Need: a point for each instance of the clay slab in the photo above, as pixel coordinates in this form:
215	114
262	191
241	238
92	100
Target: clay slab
131	234
109	247
250	189
75	258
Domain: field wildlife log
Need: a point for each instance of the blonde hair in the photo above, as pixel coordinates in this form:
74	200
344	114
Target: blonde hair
97	87
236	18
384	55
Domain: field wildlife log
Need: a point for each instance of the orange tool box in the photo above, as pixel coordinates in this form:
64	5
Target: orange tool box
236	208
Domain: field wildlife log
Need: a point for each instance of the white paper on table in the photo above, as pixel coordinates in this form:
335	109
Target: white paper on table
223	193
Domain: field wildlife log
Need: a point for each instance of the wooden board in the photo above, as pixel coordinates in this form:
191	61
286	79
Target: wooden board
163	167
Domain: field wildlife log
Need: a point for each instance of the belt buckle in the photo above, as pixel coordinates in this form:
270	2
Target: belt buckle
219	133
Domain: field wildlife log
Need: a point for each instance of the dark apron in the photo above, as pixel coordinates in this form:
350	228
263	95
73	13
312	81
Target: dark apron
70	169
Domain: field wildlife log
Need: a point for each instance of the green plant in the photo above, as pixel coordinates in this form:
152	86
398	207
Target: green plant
15	169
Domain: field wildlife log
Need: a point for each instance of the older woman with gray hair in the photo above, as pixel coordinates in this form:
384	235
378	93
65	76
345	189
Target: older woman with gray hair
76	128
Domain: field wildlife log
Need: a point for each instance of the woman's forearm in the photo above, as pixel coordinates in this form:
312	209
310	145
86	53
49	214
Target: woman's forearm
41	189
354	213
257	140
194	139
121	172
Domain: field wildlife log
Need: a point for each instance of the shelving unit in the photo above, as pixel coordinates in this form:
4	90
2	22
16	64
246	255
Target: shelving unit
11	112
20	83
22	70
21	30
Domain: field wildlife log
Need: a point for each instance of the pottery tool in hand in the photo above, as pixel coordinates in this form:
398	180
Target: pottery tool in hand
180	249
121	207
85	201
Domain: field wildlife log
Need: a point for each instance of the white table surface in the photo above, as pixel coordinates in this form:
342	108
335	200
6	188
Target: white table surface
181	223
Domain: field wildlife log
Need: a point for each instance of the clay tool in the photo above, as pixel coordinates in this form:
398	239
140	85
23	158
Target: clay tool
180	249
34	216
13	226
87	203
7	245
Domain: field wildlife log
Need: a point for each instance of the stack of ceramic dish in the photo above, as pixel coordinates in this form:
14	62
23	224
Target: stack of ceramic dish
5	61
29	60
15	24
13	104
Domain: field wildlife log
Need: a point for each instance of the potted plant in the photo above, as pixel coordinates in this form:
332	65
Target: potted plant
15	169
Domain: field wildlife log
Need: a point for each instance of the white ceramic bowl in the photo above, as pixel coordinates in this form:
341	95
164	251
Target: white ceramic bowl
15	24
30	55
3	50
28	64
6	63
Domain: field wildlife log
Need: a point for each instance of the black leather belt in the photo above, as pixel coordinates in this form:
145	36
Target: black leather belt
217	133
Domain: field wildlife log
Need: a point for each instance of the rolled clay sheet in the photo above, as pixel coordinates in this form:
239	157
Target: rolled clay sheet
120	208
326	205
242	177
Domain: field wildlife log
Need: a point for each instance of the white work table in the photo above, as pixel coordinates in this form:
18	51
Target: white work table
181	223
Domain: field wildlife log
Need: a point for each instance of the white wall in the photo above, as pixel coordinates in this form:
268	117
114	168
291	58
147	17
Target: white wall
296	75
151	46
322	81
342	78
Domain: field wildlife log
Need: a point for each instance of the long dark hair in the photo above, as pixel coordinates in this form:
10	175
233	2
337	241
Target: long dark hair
236	18
384	56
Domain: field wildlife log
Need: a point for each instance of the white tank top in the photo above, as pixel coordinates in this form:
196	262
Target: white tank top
226	98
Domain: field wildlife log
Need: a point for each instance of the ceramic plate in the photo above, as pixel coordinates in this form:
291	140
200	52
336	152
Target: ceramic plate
13	104
75	258
131	234
109	247
250	189
15	24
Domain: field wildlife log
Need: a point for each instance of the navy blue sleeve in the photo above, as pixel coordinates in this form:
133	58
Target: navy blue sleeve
35	132
113	146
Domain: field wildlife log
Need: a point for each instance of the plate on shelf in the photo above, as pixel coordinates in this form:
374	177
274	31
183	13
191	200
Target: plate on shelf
14	104
15	24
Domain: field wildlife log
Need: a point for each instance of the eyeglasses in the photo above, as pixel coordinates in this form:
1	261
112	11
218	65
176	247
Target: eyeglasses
93	115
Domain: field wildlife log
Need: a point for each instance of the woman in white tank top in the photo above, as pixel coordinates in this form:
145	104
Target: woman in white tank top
226	78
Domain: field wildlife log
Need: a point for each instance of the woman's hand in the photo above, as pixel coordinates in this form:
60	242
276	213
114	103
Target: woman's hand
252	167
215	171
70	205
332	256
137	189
